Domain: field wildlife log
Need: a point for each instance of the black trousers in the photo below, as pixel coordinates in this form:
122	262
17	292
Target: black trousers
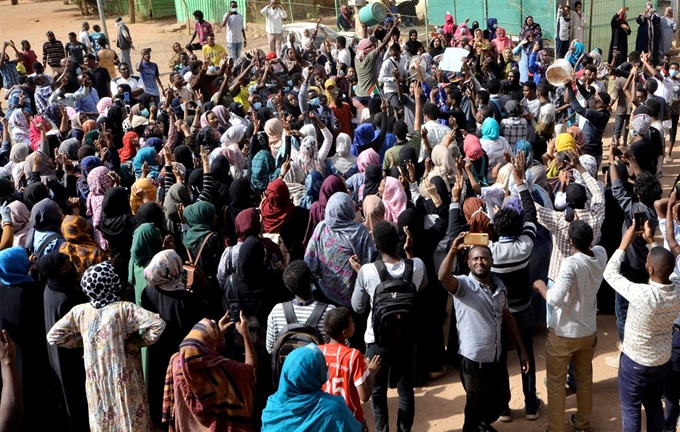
487	389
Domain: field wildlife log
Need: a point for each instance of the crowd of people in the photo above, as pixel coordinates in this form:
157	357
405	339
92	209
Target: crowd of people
267	240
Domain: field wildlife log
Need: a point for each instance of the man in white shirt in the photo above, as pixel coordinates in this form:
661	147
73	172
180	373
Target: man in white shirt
274	14
125	77
435	130
572	327
236	31
344	56
645	359
392	72
84	37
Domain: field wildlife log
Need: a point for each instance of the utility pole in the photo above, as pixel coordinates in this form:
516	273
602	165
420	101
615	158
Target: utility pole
131	10
102	18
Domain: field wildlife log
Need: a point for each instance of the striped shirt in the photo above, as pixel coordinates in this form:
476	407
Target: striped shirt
511	257
277	320
53	52
347	370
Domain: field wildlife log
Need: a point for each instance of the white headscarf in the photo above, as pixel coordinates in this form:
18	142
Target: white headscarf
343	161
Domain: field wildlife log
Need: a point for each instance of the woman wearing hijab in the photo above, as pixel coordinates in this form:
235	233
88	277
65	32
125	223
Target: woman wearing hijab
263	169
167	296
130	144
205	391
114	122
365	159
79	244
436	47
343	163
219	169
372	180
45	235
476	218
563	143
146	243
104	327
300	404
201	216
98	182
493	143
176	195
19	126
281	216
393	196
61	294
501	41
530	28
241	197
602	69
539	60
413	45
22	318
619	40
148	155
20	222
335	239
575	53
532	165
479	161
150	193
374	211
329	187
117	225
184	155
444	165
313	184
274	130
232	142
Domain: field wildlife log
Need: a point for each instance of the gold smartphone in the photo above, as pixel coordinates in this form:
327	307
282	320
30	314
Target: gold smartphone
476	239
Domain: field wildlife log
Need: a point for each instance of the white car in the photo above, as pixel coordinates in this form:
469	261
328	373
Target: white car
298	28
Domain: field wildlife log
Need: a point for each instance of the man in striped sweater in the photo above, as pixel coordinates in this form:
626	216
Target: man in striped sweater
511	253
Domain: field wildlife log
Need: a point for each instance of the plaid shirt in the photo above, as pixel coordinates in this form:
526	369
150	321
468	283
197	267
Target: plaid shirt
42	96
514	129
10	76
555	223
203	30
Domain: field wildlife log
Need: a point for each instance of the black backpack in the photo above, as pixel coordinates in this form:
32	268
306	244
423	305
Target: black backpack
295	335
394	308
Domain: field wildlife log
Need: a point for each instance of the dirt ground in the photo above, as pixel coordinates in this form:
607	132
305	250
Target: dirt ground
439	406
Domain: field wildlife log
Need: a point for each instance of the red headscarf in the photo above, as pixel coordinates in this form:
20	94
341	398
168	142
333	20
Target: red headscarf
247	223
472	147
449	26
277	207
474	215
129	150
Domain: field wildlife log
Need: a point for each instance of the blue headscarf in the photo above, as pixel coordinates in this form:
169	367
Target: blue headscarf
363	135
490	129
491	26
154	143
14	266
525	147
313	184
579	49
300	404
87	165
145	154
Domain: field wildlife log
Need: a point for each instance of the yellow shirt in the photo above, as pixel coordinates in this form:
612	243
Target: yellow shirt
213	53
242	97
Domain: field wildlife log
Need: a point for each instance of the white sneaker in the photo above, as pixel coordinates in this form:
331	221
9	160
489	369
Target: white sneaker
668	159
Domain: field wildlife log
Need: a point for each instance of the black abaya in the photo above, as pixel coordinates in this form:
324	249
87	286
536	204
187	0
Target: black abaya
67	367
619	40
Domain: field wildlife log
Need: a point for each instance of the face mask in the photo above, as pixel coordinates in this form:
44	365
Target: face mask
315	101
290	83
632	133
234	9
145	113
342	73
354	88
286	89
673	73
257	106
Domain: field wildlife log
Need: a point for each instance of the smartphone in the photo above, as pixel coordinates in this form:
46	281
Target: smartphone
126	97
677	190
476	239
639	218
234	311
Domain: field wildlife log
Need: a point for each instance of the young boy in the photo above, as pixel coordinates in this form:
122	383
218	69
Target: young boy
349	375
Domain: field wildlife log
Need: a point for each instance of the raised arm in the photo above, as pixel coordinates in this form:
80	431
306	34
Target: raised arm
445	277
12	402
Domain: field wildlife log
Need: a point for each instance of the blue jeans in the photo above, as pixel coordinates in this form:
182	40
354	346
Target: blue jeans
235	50
397	368
672	391
641	386
621	310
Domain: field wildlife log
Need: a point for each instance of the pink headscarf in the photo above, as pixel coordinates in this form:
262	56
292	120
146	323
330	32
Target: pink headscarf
449	25
472	147
394	199
34	134
460	33
235	156
366	158
365	47
502	42
99	182
103	104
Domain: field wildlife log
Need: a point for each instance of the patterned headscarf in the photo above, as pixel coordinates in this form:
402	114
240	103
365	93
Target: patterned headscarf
641	124
99	182
79	245
165	271
101	284
51	113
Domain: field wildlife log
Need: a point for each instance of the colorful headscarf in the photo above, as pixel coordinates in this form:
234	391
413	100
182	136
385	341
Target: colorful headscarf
641	124
14	266
472	147
394	198
99	182
19	127
165	271
579	137
365	47
80	246
148	187
129	149
101	284
490	129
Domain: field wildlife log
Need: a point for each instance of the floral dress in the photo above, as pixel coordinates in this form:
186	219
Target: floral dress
114	383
